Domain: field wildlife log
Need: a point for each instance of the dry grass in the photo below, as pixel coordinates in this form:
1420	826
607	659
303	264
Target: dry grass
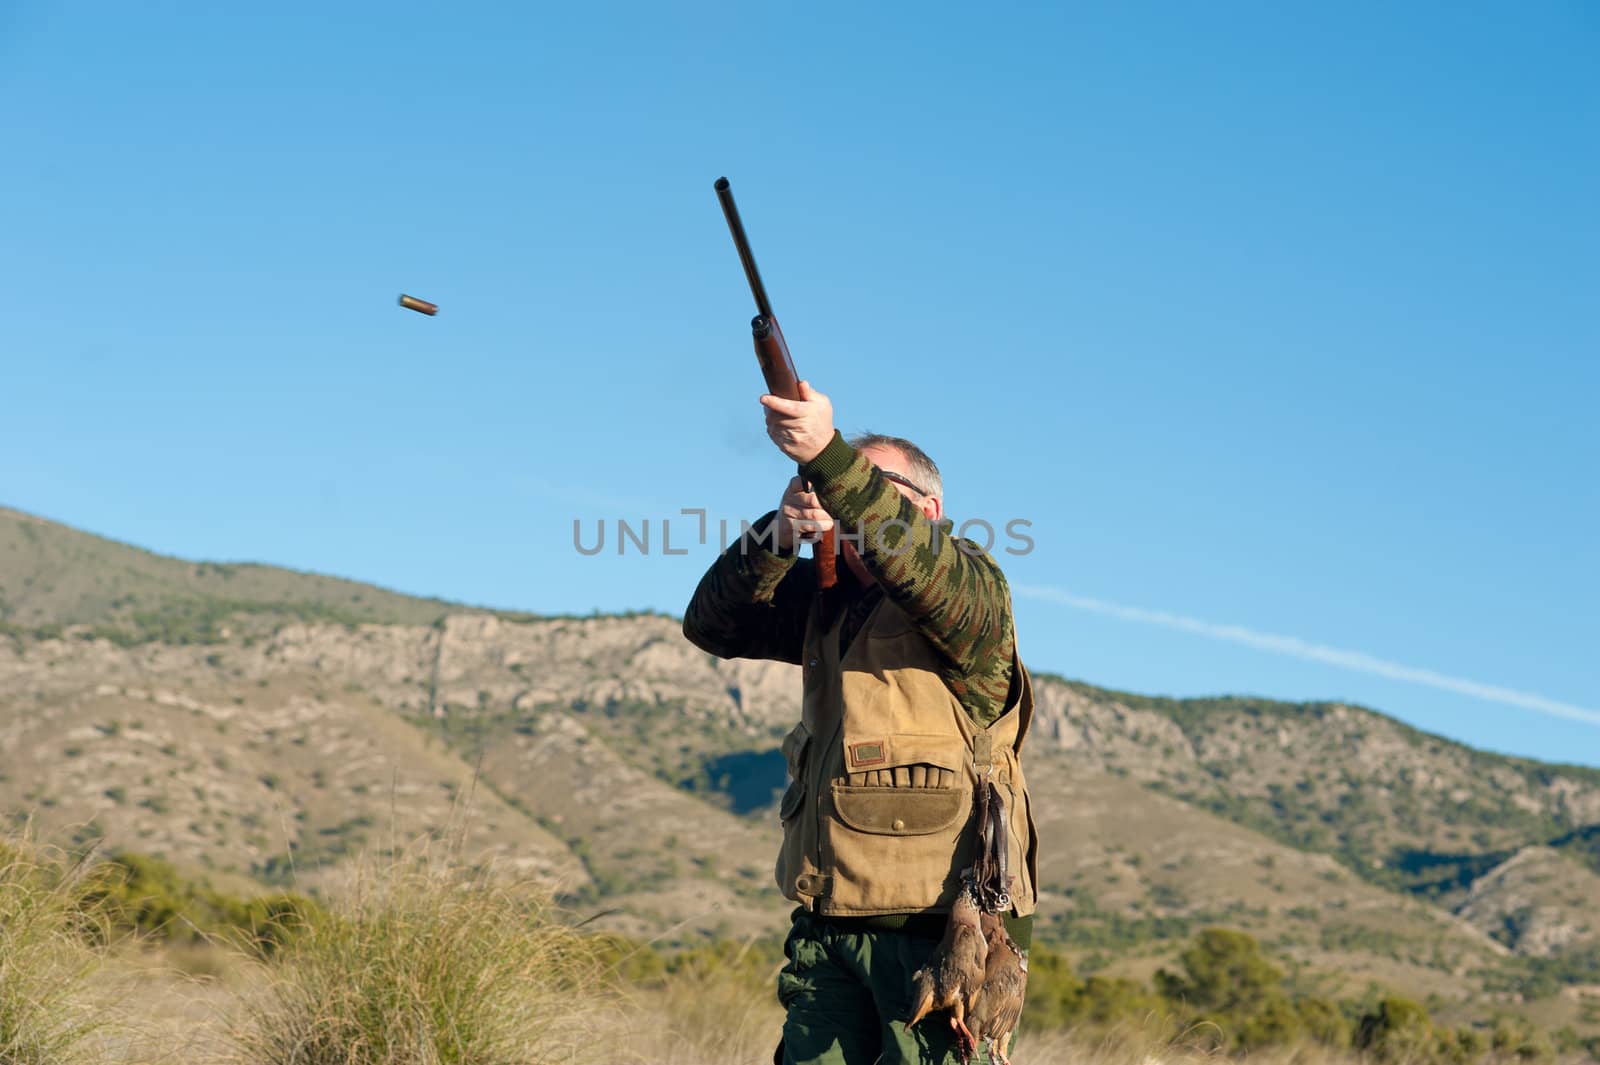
1153	1041
722	1014
421	963
47	1013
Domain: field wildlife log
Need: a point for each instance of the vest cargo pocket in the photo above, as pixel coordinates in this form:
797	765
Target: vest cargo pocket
792	799
896	850
795	747
1022	855
795	867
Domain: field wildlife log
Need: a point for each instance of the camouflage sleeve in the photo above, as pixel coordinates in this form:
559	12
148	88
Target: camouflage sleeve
753	601
953	592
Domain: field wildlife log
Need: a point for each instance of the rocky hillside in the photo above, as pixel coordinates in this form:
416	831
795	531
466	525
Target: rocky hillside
307	720
1402	808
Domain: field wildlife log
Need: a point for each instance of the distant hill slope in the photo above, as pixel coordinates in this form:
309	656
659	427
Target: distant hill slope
1403	808
53	576
639	775
1537	902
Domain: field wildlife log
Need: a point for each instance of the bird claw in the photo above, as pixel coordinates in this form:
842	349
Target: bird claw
966	1042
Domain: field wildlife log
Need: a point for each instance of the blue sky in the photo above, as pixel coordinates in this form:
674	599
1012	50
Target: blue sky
1265	316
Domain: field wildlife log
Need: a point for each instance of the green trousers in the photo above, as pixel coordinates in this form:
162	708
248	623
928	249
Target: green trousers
847	995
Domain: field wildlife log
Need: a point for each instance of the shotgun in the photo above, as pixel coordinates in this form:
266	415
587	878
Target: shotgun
772	351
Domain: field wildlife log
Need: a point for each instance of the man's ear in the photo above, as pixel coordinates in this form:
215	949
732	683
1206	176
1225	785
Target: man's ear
932	508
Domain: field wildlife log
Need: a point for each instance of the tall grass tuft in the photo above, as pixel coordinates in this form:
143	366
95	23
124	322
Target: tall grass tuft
421	963
47	1016
713	1005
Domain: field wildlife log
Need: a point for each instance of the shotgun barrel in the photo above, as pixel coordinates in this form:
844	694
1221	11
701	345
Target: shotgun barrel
735	226
772	351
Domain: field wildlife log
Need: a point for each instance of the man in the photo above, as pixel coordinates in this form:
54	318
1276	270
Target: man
913	692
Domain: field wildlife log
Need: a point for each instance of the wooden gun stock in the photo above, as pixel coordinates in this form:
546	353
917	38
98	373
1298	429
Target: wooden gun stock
777	367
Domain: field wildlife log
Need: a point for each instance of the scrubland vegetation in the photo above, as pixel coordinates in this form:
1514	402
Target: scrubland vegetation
420	961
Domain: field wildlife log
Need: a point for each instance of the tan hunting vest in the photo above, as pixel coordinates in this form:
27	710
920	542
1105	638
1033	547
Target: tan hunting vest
858	839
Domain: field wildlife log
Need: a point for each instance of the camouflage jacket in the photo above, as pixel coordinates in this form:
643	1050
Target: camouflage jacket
753	602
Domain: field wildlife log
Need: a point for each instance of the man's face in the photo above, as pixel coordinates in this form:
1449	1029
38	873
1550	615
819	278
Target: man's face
890	460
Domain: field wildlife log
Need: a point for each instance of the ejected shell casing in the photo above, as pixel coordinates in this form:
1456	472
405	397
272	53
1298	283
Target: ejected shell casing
411	303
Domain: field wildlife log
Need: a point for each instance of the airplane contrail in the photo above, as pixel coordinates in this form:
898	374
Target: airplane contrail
1334	656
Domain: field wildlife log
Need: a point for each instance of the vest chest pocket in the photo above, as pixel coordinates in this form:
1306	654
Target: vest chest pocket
902	785
903	761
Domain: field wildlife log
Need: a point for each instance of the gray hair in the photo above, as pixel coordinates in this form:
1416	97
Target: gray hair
919	467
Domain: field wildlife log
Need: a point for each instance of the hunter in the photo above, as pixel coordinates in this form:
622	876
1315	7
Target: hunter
913	693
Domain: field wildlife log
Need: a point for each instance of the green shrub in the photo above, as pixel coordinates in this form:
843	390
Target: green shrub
1274	1022
1054	990
1517	1038
1396	1029
1323	1022
145	896
1224	972
1107	999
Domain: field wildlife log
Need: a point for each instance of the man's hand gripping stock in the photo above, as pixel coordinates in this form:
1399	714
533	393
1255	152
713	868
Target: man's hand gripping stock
801	519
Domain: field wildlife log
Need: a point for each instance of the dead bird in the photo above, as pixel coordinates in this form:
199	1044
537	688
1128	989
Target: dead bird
951	978
998	1005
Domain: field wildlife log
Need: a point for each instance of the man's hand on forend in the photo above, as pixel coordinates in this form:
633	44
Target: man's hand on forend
800	427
